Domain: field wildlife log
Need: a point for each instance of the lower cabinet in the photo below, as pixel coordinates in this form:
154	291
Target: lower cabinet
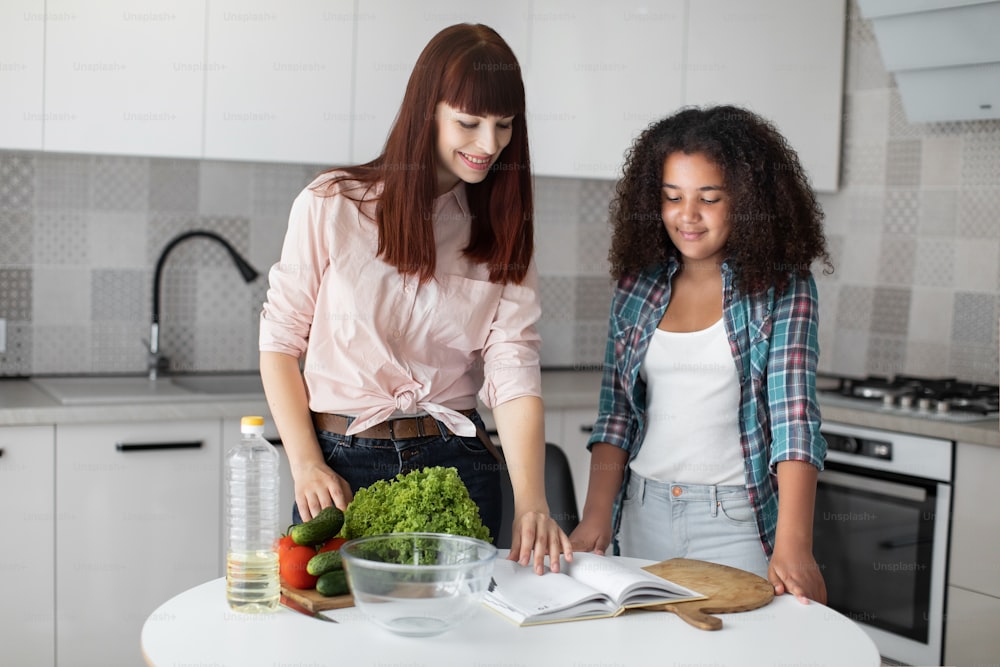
971	638
577	425
27	516
137	514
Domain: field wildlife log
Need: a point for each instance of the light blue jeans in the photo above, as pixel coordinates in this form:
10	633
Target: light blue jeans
663	520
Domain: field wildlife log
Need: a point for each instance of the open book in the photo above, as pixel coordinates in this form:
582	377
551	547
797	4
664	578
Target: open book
590	587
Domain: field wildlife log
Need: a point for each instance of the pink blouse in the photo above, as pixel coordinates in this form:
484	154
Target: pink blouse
378	343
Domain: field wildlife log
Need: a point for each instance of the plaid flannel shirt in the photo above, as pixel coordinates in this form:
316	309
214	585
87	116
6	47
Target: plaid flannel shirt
774	342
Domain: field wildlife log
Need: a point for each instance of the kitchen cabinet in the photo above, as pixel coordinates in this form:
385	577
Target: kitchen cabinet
595	78
22	45
576	426
278	80
973	612
27	560
782	58
390	37
124	78
137	521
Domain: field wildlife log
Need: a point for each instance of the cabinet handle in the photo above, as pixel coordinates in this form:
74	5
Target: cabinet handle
1	451
276	442
586	428
146	446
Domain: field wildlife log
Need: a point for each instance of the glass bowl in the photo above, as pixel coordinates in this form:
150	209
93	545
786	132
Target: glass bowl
418	584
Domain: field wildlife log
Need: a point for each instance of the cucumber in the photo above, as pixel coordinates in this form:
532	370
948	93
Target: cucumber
320	528
326	561
332	583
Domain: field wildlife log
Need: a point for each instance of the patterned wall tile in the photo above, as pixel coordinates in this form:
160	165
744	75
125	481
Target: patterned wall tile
975	318
60	349
938	211
558	296
178	342
934	263
557	200
119	295
275	186
589	342
941	161
593	298
116	239
866	209
120	183
17	232
897	259
593	244
15	294
981	157
220	295
891	311
178	294
850	352
863	163
886	355
866	116
224	188
61	296
173	185
864	61
119	347
927	359
63	181
975	363
902	211
61	237
595	197
16	359
17	182
554	244
979	212
976	265
557	343
223	346
902	162
931	312
854	307
899	125
859	263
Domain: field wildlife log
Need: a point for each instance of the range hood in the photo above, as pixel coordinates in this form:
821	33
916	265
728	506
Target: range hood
944	55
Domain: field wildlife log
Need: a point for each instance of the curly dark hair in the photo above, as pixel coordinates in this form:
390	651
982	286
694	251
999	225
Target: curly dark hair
776	222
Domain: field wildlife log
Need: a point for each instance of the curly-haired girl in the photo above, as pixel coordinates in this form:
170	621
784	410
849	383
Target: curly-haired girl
708	402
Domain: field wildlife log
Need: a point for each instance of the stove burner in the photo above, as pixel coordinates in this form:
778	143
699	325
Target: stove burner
916	395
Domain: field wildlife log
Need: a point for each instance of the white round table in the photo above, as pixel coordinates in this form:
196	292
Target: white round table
197	627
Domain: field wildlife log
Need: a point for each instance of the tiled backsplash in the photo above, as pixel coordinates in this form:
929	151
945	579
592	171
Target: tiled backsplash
914	233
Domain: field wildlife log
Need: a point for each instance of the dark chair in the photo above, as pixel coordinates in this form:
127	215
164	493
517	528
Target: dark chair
558	489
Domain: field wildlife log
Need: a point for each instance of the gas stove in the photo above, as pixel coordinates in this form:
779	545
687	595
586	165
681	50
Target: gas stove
945	399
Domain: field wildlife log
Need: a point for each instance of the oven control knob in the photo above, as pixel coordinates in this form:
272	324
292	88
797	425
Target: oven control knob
850	445
906	401
942	407
887	400
924	405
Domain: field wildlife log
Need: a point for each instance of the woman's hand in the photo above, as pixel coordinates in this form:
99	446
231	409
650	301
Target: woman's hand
591	535
318	486
798	574
539	533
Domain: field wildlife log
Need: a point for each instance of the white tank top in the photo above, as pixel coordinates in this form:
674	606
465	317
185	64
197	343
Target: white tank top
692	409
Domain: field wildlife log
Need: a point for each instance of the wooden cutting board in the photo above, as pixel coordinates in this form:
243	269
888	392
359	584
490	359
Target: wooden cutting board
727	590
313	601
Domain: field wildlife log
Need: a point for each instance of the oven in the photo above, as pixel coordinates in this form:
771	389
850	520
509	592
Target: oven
881	536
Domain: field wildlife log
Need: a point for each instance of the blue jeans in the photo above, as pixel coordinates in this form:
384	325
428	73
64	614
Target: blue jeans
364	461
663	520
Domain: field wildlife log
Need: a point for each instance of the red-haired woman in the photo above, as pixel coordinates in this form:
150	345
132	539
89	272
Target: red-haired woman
408	286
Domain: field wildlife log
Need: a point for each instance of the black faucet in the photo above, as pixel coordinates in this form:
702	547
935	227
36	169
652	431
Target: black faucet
156	362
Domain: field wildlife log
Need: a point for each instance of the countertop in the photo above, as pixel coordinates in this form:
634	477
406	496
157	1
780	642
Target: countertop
22	403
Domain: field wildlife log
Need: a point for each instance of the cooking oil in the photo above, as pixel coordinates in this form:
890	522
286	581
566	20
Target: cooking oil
252	584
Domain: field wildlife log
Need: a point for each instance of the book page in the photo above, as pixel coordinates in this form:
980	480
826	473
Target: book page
625	585
523	595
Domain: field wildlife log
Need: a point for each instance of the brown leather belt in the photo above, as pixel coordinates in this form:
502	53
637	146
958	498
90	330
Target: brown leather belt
400	428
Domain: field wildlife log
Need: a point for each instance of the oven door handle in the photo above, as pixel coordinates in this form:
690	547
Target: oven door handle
872	485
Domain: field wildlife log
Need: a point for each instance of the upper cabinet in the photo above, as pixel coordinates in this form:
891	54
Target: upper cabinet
781	58
22	54
391	35
321	81
596	77
124	77
278	80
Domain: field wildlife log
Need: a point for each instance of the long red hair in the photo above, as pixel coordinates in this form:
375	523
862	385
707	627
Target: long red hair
471	68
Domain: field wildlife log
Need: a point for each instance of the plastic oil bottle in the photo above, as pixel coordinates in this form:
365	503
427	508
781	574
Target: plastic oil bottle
251	525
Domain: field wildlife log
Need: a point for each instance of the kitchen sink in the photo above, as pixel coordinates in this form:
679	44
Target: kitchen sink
107	390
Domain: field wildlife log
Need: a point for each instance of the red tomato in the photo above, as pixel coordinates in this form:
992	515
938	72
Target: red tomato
332	544
284	543
292	566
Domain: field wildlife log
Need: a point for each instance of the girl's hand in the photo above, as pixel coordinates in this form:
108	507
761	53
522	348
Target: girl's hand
592	536
798	574
318	486
538	532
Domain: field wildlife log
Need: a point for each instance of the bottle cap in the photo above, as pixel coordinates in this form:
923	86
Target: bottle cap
252	425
